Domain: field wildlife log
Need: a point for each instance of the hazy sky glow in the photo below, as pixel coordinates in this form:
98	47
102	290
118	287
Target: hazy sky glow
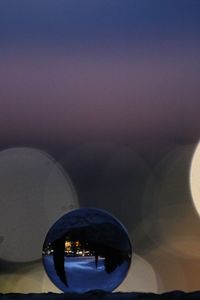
74	70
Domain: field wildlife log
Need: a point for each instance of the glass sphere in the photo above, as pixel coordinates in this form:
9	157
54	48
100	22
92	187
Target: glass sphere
87	249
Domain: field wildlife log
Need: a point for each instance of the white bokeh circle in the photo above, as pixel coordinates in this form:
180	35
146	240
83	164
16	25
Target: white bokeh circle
26	278
169	219
34	192
141	277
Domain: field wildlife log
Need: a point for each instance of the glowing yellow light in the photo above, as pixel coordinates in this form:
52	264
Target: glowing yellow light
195	178
68	244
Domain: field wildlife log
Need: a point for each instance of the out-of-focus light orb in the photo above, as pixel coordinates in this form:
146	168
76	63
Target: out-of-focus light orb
34	191
169	219
87	249
195	179
141	277
25	278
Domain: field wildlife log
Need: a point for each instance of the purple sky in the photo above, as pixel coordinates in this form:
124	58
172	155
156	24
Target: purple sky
118	70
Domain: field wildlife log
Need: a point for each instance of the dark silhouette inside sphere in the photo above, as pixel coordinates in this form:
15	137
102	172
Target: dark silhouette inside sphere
87	249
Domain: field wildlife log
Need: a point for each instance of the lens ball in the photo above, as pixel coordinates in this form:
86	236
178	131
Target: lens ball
87	249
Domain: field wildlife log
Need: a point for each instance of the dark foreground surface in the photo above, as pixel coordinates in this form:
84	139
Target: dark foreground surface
99	295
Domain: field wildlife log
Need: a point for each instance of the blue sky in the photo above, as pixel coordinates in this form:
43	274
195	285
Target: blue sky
95	19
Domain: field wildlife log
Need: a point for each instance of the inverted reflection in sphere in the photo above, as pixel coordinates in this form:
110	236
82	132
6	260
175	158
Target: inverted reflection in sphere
87	249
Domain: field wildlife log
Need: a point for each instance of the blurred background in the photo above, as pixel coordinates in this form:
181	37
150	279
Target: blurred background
100	107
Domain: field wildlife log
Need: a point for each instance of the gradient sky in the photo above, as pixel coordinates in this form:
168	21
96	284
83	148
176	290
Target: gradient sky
99	70
110	88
